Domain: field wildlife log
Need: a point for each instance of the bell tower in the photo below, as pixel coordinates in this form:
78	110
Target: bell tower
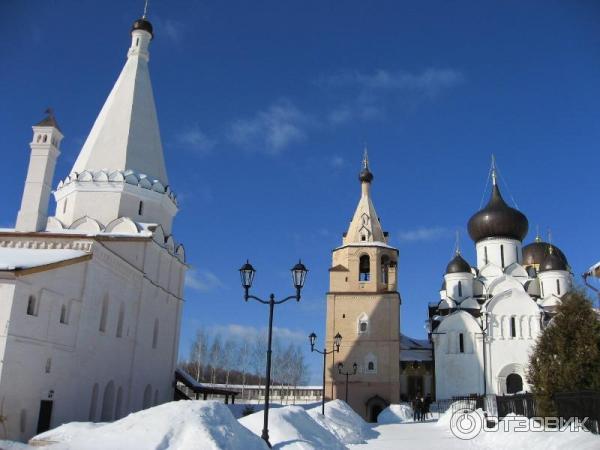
363	305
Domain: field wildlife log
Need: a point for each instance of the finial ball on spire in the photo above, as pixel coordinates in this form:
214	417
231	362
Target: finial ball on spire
365	175
143	24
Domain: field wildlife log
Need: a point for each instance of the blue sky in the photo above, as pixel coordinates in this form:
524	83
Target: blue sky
264	108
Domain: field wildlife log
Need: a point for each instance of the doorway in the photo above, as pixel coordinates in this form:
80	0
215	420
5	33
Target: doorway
514	383
45	416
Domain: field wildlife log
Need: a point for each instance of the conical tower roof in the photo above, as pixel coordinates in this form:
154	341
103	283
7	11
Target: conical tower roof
125	135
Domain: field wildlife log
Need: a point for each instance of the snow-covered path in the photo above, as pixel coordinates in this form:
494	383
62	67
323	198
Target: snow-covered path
412	435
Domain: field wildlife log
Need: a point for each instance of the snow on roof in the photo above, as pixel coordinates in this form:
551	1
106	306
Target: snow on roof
26	258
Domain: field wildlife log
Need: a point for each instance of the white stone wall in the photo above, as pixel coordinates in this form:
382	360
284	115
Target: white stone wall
146	286
491	250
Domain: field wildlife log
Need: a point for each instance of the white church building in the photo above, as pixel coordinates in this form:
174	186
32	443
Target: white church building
485	325
91	297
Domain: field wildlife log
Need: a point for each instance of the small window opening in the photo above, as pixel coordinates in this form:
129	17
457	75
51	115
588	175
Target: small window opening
48	365
371	366
103	315
363	327
558	287
63	314
502	255
364	268
45	138
461	343
485	255
137	42
120	321
31	306
141	208
513	327
39	138
363	238
460	289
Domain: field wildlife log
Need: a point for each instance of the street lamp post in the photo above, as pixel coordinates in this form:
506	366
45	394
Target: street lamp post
247	273
337	340
347	374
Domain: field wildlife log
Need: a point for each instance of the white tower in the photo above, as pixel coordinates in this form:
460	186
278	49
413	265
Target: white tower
120	171
36	195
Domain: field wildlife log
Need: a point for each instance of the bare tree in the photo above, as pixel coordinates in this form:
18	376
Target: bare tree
229	358
198	354
215	357
244	359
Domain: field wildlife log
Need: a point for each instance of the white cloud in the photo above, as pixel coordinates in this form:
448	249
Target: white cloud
195	139
202	281
250	332
271	130
424	234
429	81
337	161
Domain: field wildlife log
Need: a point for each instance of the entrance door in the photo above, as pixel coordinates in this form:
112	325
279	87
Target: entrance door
45	416
415	386
375	410
514	383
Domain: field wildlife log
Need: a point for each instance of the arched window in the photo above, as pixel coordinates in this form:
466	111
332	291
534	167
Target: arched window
108	403
485	255
32	306
93	403
64	316
39	138
141	208
103	314
460	289
120	320
147	400
155	334
513	327
557	287
364	268
45	138
119	403
514	383
385	269
461	343
363	324
502	255
371	366
370	363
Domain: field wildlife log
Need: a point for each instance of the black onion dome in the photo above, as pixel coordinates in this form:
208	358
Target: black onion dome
142	24
552	261
498	219
365	175
458	265
536	252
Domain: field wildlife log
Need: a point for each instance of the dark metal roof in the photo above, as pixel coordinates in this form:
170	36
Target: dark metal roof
458	265
498	219
142	24
48	121
365	176
552	262
536	252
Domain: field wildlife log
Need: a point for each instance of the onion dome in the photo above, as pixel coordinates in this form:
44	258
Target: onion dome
536	252
458	265
498	219
552	262
142	24
365	175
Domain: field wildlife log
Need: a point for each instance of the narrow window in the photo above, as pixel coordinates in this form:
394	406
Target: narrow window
31	306
364	268
485	255
48	367
371	366
557	287
385	267
39	138
155	334
513	327
461	343
141	208
502	255
363	327
542	289
460	289
137	42
120	320
63	314
45	138
363	238
103	315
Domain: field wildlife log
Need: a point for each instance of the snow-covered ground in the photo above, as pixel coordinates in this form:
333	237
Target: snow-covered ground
210	425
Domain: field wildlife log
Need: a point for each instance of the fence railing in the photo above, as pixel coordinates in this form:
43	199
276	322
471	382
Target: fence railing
580	404
519	404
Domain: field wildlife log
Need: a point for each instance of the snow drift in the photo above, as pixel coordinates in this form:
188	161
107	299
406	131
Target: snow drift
175	426
291	427
395	414
341	421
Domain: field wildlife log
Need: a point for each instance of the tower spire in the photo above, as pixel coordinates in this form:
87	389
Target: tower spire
457	243
493	170
538	238
365	160
145	15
